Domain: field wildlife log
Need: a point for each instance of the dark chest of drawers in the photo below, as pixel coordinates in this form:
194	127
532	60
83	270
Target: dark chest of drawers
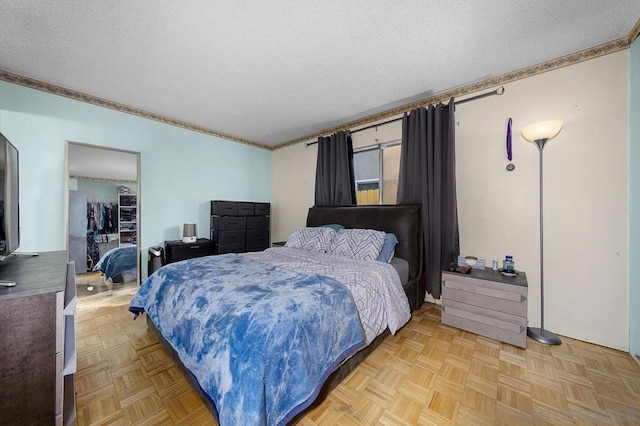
240	226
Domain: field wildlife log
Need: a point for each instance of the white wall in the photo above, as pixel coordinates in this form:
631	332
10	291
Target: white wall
634	198
586	185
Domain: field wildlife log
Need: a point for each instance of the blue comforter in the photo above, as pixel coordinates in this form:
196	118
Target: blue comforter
117	260
260	340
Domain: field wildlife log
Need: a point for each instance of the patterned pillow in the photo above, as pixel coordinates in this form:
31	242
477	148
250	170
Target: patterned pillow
334	226
311	239
363	244
388	248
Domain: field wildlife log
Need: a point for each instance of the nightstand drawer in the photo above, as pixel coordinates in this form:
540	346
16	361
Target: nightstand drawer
488	294
489	317
178	250
484	326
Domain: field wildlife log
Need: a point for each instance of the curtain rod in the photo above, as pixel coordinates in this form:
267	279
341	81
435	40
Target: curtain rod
498	91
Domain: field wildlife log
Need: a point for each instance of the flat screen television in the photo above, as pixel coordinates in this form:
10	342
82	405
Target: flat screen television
9	199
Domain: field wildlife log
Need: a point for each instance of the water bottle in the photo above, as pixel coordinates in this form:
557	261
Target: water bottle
495	264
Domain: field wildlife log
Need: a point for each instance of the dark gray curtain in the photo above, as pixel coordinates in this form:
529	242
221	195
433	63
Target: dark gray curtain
428	177
335	181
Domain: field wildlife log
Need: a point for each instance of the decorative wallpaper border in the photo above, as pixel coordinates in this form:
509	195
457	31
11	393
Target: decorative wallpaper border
105	103
94	179
574	58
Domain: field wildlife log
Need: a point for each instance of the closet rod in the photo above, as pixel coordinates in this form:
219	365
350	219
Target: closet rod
498	91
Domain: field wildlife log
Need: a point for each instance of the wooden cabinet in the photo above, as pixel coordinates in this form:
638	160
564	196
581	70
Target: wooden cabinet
487	303
35	316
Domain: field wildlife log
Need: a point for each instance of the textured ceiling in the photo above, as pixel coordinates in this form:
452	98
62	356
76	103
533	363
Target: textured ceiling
91	162
269	72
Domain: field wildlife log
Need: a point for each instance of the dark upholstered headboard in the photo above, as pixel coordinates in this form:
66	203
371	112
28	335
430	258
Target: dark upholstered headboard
403	221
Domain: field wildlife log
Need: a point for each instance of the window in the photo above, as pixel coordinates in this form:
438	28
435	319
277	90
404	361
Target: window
376	171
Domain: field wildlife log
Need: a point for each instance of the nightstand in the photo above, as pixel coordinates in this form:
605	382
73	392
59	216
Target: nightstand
487	303
175	251
278	244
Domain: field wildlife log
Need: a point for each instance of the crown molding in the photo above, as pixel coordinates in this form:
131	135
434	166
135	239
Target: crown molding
635	31
105	103
554	64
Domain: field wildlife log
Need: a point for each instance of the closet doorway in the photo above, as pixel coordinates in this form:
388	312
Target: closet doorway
103	217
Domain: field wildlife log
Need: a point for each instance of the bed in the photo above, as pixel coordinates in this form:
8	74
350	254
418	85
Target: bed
304	350
119	264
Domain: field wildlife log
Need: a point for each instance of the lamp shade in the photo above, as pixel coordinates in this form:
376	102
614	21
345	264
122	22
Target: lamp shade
189	232
543	130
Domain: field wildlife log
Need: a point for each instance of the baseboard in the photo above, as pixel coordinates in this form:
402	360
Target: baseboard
636	357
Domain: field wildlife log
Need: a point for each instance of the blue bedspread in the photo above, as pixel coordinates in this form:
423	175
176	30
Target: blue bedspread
260	340
117	260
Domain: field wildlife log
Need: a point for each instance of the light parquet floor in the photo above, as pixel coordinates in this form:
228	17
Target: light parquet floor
428	374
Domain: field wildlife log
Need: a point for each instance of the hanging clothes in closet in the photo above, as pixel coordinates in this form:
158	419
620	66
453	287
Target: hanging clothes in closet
102	227
102	217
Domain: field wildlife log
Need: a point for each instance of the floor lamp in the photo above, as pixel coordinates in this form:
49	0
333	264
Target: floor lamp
540	133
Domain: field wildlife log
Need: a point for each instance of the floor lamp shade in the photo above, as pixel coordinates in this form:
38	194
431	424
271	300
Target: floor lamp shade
544	130
541	133
189	233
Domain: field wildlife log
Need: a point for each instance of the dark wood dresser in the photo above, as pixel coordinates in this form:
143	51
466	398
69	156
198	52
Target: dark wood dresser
35	315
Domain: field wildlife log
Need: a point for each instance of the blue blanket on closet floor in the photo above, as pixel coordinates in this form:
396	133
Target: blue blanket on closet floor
260	340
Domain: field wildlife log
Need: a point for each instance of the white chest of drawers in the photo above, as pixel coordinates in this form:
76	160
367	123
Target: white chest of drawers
487	303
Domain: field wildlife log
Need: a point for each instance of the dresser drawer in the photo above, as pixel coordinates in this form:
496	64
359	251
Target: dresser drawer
488	294
245	209
228	237
237	247
224	208
258	236
262	209
257	222
257	245
228	223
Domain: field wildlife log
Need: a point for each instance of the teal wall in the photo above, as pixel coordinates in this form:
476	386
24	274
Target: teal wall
634	199
181	170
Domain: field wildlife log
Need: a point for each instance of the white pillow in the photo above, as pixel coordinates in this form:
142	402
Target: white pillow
363	244
311	239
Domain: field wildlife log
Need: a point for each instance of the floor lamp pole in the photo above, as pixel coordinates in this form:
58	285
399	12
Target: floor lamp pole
540	334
